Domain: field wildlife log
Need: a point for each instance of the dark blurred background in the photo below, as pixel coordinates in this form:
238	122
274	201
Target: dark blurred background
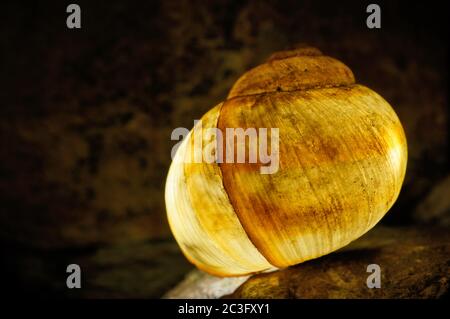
86	117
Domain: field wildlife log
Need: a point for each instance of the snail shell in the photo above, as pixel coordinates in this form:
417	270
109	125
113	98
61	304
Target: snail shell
342	160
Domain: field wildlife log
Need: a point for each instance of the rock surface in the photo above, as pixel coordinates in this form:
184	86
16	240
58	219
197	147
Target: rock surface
435	208
142	270
414	263
78	179
198	284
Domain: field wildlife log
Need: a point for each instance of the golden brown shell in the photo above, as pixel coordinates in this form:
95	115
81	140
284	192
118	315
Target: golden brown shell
342	160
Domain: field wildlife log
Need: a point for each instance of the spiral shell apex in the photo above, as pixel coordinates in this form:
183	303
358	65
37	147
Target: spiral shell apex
342	158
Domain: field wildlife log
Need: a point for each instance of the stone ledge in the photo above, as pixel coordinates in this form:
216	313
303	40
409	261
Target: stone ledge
414	263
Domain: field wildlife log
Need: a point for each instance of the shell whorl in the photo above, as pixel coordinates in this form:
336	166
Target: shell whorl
292	70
